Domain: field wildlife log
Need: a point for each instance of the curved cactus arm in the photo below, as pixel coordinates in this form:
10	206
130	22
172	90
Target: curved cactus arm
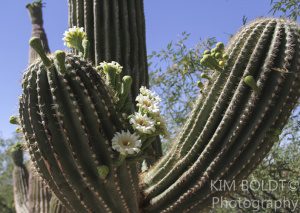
20	180
243	123
36	16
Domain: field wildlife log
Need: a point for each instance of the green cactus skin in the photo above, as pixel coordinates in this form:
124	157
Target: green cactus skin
39	194
232	128
56	206
31	195
69	120
20	181
116	32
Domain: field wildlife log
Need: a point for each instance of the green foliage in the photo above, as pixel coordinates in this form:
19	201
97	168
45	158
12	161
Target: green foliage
6	167
174	73
287	8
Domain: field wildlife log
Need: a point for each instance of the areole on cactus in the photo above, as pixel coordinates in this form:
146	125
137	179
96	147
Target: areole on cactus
87	142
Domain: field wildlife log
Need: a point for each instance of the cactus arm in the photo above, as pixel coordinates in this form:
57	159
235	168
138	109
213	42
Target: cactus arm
198	117
36	15
20	181
234	129
214	117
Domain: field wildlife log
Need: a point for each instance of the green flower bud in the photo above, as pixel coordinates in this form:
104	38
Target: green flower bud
221	63
250	81
220	46
103	171
200	84
14	120
217	55
206	52
59	61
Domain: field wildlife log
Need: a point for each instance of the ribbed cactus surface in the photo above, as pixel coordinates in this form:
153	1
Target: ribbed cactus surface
116	31
233	125
69	120
69	116
31	195
20	180
39	195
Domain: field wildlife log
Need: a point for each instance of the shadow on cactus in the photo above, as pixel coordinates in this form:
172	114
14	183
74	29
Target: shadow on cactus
87	142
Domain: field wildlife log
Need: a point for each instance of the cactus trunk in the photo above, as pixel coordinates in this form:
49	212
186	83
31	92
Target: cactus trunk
20	182
116	31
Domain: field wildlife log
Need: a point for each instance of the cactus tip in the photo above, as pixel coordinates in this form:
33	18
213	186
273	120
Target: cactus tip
37	45
60	57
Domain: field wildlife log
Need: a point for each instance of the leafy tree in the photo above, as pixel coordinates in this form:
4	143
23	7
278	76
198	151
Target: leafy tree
287	8
6	167
174	74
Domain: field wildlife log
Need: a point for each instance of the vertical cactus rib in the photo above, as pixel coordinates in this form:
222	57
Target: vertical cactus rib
234	134
118	34
89	24
80	149
116	31
56	206
36	157
36	114
79	13
39	195
20	182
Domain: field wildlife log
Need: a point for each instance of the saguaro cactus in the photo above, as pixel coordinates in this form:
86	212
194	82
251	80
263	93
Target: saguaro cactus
20	180
70	118
31	195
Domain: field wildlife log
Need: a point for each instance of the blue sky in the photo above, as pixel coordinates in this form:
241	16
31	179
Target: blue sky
165	20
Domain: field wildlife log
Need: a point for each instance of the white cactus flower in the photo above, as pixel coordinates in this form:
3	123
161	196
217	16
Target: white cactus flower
126	143
149	105
142	123
152	95
114	65
74	36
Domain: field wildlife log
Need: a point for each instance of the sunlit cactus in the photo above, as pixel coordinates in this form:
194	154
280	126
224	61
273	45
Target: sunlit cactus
90	124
